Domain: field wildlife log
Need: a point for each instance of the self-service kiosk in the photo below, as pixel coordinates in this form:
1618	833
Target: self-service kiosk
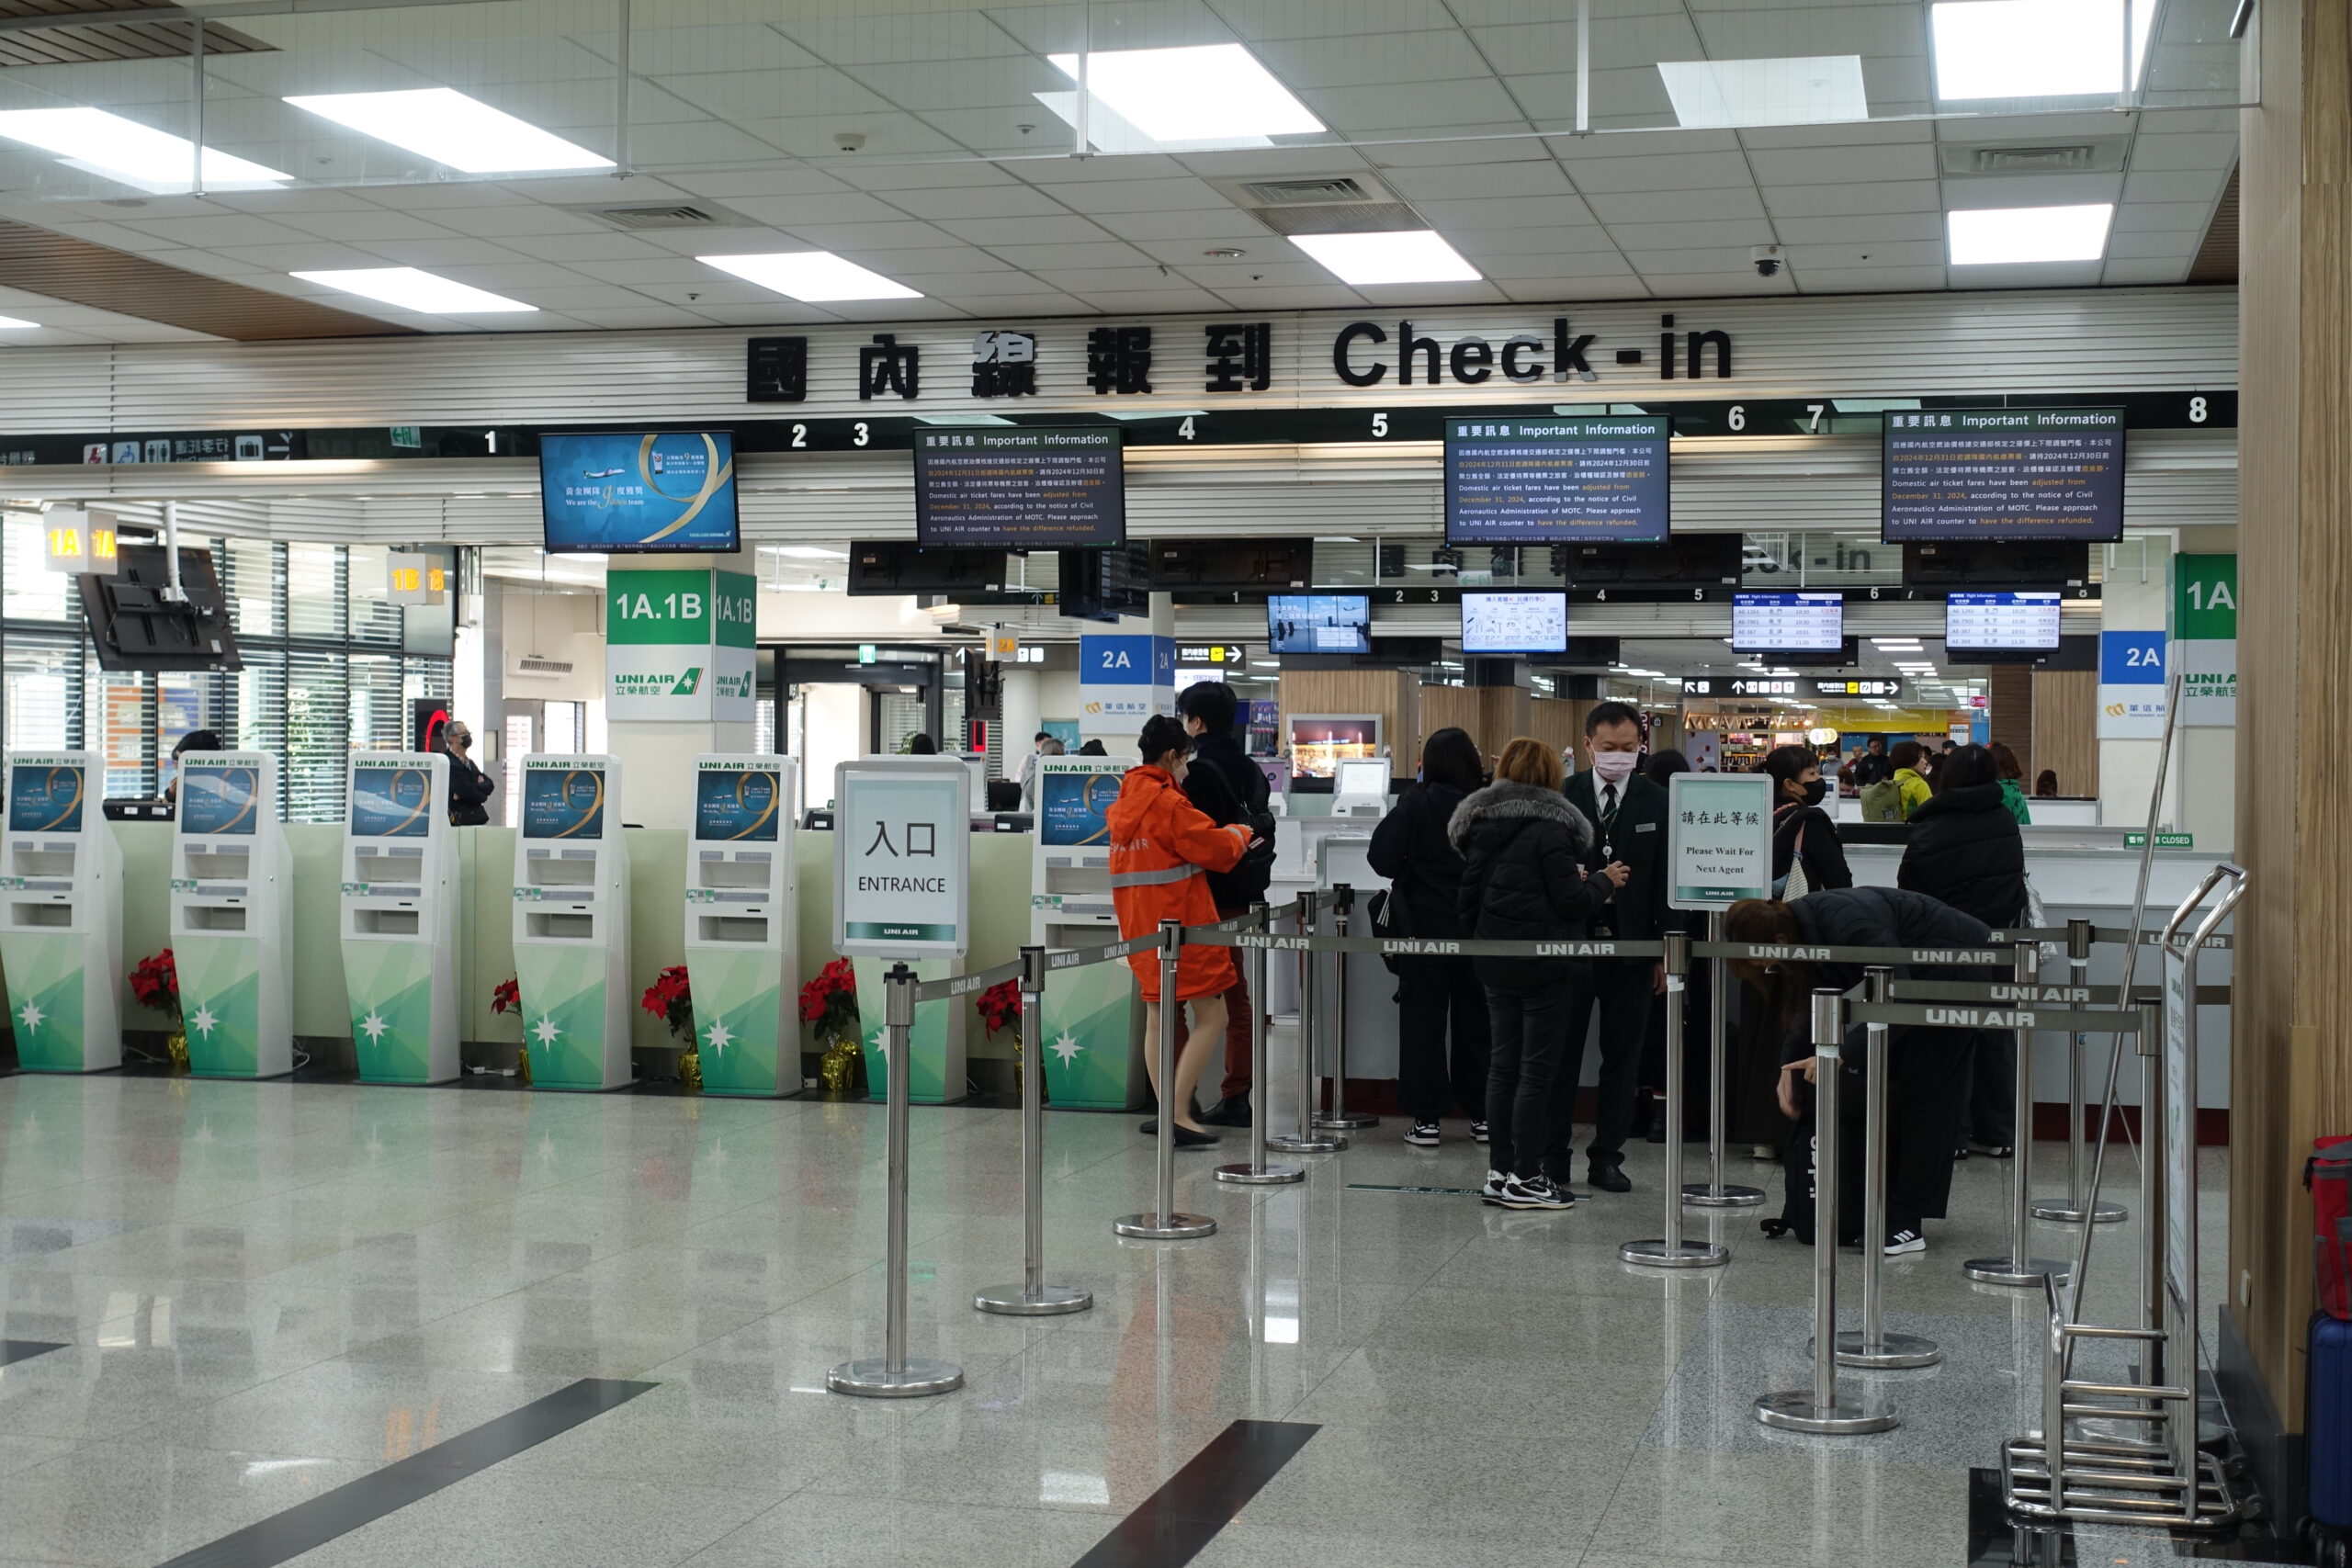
743	924
1092	1028
399	917
60	914
571	922
232	917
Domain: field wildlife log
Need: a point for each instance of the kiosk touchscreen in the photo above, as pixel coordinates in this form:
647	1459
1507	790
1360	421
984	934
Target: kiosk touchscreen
60	935
571	922
1360	787
232	917
1091	1027
399	917
743	924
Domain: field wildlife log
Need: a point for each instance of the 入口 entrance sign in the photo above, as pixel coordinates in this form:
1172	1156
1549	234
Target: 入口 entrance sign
902	857
1719	839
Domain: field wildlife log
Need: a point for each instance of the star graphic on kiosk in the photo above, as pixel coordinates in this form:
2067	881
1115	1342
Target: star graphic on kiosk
880	1044
204	1020
1067	1047
373	1026
720	1036
547	1031
30	1015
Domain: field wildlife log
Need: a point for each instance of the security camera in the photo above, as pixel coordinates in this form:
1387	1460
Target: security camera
1767	259
848	140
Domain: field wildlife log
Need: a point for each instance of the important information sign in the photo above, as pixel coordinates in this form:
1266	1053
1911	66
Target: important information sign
1718	839
1038	486
1541	481
2003	474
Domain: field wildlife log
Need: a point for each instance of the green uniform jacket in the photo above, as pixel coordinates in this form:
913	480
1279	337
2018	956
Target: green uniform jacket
1637	838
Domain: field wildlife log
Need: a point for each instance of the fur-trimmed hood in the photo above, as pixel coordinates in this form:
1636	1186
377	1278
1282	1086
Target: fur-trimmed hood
1505	799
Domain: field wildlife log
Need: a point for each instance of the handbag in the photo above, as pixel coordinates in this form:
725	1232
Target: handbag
1788	889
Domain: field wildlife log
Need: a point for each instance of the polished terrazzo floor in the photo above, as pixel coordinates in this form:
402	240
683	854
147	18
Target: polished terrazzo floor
265	1291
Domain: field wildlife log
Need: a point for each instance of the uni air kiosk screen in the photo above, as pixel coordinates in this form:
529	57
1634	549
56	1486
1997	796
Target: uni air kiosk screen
744	925
571	922
399	917
232	917
60	935
902	864
1092	1028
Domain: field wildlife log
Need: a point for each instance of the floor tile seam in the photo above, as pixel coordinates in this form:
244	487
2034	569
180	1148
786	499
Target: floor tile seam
714	1545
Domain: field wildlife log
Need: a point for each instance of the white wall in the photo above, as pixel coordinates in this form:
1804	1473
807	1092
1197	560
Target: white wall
801	617
835	720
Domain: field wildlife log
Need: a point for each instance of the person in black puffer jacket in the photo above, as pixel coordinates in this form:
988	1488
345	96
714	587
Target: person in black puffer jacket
1225	783
1522	880
1965	850
1410	848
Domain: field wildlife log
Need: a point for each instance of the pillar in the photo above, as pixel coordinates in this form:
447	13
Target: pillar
1126	674
679	659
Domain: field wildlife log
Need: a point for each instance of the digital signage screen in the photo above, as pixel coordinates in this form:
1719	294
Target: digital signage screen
563	803
2024	622
1788	623
1042	487
218	800
1319	622
737	805
1074	808
391	802
1550	481
44	798
639	492
2003	474
1514	623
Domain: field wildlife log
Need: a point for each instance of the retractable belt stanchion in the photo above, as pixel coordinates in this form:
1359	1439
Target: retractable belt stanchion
1166	1224
1818	1409
2020	1267
896	1376
1714	1193
1307	1140
2069	1209
1340	1119
1258	1173
1670	1251
1033	1297
1873	1346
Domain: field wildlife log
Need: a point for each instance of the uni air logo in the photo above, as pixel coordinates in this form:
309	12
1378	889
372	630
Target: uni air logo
689	682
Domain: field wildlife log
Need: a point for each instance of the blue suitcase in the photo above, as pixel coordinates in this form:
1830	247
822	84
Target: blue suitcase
2327	1424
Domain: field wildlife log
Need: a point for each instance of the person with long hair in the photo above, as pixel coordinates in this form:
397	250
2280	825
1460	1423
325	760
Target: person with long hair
2012	773
1424	871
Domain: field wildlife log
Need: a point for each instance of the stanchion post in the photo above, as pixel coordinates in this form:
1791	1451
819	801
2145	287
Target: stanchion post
1873	1346
1818	1409
2020	1266
1307	1140
1033	1297
1343	899
896	1375
1715	1193
1257	1172
2069	1211
2156	1095
1165	1223
1670	1251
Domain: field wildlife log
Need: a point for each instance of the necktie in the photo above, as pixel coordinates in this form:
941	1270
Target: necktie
1608	819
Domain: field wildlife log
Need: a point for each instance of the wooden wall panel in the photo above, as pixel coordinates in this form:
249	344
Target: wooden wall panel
1442	707
1558	720
2065	730
2010	720
1504	715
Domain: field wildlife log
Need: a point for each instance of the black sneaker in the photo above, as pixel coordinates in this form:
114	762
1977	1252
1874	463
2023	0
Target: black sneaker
1492	1193
1423	1136
1233	1110
1609	1176
1533	1192
1904	1240
1477	1131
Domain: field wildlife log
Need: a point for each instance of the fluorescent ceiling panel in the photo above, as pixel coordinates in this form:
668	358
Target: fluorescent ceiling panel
126	151
450	128
1210	92
1813	90
2036	49
1408	256
415	290
1993	235
1107	131
811	277
11	324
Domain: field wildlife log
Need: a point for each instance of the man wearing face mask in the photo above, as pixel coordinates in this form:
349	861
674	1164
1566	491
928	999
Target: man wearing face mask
1628	815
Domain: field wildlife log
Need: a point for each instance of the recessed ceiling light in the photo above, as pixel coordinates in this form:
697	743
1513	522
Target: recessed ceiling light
415	290
124	149
450	128
1992	235
11	324
1205	93
2036	49
811	277
1406	255
1814	90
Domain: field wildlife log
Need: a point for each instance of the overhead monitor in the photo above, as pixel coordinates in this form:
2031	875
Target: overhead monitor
2003	474
218	800
639	492
1036	487
1319	622
46	798
1549	482
1074	808
390	801
1533	622
737	805
563	803
2025	622
1788	623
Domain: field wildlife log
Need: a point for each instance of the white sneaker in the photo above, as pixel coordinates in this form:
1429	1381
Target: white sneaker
1492	1193
1904	1241
1534	1193
1423	1136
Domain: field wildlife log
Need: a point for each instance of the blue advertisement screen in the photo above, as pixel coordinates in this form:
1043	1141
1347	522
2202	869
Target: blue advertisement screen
563	803
1075	808
219	800
1319	622
391	803
44	800
638	491
737	805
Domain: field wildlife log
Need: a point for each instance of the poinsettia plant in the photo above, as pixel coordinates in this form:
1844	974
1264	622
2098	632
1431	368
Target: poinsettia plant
830	1000
506	995
999	1005
156	983
671	999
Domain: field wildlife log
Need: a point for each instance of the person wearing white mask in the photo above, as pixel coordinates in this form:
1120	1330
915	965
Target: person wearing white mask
1628	814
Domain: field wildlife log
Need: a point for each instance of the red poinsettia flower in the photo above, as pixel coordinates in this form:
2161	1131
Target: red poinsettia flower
506	997
157	982
1000	1004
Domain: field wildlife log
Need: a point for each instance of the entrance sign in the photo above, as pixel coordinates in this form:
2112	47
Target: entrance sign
1719	839
902	857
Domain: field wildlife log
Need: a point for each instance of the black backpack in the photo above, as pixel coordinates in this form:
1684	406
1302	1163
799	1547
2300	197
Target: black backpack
1206	786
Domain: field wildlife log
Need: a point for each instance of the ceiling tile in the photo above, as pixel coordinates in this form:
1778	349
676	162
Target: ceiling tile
1830	231
1737	277
1866	133
681	270
1099	254
929	86
1504	212
1806	259
835	207
1301	297
1687	170
1014	201
1189	226
2031	190
725	185
756	93
2173	185
1518	270
2178	151
1518	177
2144	270
1067	230
1823	165
1021	307
864	36
583	247
2179	243
377	223
439	253
1151	301
1047	169
1185	194
2148	217
314	255
1256	163
1482	244
1872	198
1358	111
1868	279
1675	206
1090	280
227	229
1365	56
1708	233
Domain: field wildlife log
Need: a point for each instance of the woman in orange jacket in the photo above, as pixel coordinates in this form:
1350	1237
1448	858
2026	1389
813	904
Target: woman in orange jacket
1161	847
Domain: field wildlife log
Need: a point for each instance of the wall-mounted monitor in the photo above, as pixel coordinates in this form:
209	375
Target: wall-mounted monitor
639	492
2003	474
737	805
563	803
1034	487
1788	623
1319	622
1548	481
1529	622
390	801
45	799
1985	623
219	800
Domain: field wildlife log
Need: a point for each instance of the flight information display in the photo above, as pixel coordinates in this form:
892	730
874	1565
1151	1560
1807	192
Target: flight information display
1788	623
1546	481
1319	622
1036	486
2028	621
2003	474
1514	623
